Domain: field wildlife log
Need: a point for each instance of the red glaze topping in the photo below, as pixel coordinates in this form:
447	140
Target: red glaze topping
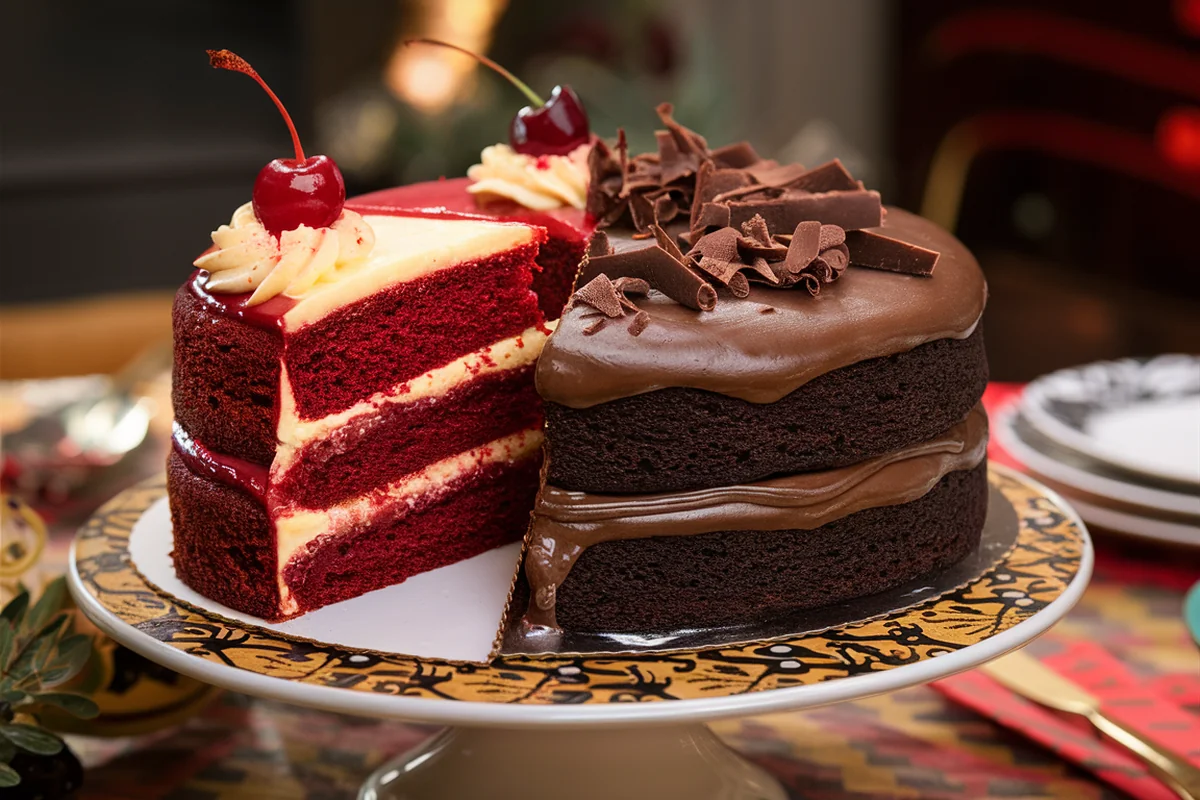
229	470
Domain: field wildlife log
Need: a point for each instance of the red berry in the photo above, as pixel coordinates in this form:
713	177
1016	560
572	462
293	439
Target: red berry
553	128
290	192
556	128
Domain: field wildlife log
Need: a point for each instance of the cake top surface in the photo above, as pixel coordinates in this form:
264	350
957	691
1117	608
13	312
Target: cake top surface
452	198
763	346
406	247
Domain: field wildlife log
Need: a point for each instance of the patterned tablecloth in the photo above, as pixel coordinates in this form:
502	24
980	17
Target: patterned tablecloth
912	743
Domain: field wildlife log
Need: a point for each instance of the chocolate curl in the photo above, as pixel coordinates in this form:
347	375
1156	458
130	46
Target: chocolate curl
661	271
875	250
816	255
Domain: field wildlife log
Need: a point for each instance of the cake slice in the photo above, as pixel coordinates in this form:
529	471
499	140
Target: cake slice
378	424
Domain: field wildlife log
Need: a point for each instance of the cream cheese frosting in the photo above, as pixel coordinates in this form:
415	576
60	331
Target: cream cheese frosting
540	183
295	530
247	258
295	433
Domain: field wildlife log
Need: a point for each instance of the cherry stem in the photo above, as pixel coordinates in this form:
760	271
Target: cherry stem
487	62
227	59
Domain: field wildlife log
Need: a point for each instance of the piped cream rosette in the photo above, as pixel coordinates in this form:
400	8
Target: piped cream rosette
248	258
541	183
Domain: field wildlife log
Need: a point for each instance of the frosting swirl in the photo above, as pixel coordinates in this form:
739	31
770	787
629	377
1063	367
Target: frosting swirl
541	183
247	258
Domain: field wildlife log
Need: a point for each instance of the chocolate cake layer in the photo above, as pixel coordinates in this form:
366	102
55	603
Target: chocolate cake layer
738	577
678	439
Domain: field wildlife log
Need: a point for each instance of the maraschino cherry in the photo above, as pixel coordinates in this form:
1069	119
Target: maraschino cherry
551	128
290	192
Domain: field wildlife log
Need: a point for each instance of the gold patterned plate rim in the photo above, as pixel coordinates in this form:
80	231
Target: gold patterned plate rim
1027	592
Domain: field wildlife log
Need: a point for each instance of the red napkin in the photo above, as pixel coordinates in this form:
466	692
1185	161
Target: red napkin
1124	696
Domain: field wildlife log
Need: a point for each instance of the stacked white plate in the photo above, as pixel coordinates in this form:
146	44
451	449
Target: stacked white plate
1120	440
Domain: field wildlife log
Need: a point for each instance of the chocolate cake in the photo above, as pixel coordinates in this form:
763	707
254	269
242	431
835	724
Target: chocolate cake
763	397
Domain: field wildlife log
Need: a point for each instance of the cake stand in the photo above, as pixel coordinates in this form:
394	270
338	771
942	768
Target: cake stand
594	726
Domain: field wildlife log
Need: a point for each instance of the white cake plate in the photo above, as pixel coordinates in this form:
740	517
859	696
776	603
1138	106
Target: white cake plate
594	727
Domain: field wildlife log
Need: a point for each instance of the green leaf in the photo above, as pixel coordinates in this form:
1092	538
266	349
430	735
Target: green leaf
15	610
8	777
53	677
50	603
35	650
12	696
8	642
7	751
72	651
74	704
32	739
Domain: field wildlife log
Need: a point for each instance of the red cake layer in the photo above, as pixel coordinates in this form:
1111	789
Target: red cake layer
224	542
409	329
487	509
225	379
569	228
404	438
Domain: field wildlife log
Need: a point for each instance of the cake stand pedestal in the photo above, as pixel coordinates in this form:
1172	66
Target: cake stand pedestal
593	726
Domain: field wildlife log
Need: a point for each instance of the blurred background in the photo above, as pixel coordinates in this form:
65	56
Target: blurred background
1060	140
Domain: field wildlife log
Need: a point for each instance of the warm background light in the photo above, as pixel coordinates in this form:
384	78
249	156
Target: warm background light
429	78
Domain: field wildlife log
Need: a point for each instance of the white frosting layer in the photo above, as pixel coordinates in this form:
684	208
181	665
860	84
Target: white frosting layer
296	529
538	182
295	433
247	258
406	248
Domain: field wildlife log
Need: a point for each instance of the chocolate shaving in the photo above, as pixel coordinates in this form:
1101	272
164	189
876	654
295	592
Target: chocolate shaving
875	250
600	294
609	298
740	209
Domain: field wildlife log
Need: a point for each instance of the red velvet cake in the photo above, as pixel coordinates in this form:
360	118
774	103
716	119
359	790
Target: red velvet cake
353	389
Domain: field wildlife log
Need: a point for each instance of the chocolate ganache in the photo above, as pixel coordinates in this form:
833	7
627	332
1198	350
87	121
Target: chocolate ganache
761	347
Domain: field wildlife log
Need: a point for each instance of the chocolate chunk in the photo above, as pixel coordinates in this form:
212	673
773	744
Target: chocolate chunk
850	210
599	245
640	321
769	173
830	177
664	273
712	215
875	250
737	155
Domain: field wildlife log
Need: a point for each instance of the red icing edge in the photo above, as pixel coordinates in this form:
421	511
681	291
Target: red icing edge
267	315
229	470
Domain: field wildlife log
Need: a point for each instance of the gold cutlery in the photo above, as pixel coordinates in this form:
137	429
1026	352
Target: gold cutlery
1034	681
